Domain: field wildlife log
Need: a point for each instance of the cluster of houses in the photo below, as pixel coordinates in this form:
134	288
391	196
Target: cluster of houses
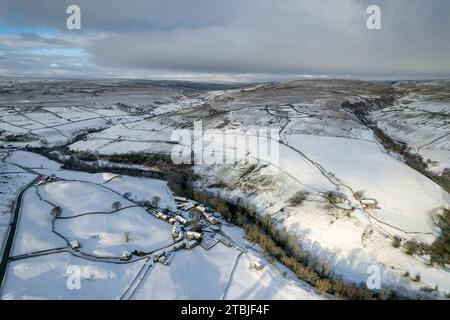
45	179
169	218
183	235
188	205
342	201
184	203
206	214
165	256
181	224
369	203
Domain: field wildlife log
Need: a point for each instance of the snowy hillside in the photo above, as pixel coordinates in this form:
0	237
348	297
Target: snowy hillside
370	161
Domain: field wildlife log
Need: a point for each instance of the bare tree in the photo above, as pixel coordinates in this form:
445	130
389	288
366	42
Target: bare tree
358	195
116	205
56	212
127	195
298	198
155	201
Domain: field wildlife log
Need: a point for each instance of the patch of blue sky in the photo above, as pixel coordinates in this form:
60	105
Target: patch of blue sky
14	30
62	52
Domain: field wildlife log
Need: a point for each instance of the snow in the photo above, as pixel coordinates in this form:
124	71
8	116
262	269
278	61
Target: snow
57	125
266	284
140	188
194	274
406	197
325	148
32	160
237	235
144	189
350	243
214	274
11	184
12	179
76	197
142	136
34	227
3	233
104	234
12	128
422	125
26	279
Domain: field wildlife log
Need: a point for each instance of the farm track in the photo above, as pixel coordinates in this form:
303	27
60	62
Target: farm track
230	279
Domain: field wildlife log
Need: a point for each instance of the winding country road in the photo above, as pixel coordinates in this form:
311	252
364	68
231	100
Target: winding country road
12	231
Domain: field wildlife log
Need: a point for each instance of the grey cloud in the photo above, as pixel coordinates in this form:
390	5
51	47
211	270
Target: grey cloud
289	37
120	15
248	37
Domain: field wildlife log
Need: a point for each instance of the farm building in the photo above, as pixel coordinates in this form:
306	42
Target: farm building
369	203
180	199
50	178
172	220
167	258
74	244
186	206
180	237
210	218
158	255
257	265
176	230
191	244
126	256
178	246
191	235
180	219
164	217
202	209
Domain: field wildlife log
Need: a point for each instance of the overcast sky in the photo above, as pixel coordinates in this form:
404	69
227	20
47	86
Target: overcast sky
225	40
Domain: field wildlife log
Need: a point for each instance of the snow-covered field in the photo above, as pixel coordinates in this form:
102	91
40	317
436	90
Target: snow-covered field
406	198
224	273
34	230
424	126
12	180
249	283
103	234
195	274
323	148
46	277
41	256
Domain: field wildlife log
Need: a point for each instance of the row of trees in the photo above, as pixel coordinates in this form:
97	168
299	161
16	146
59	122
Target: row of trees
278	244
439	250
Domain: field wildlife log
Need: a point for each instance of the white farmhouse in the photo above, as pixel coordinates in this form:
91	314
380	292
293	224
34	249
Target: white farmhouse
180	219
74	244
192	235
126	256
